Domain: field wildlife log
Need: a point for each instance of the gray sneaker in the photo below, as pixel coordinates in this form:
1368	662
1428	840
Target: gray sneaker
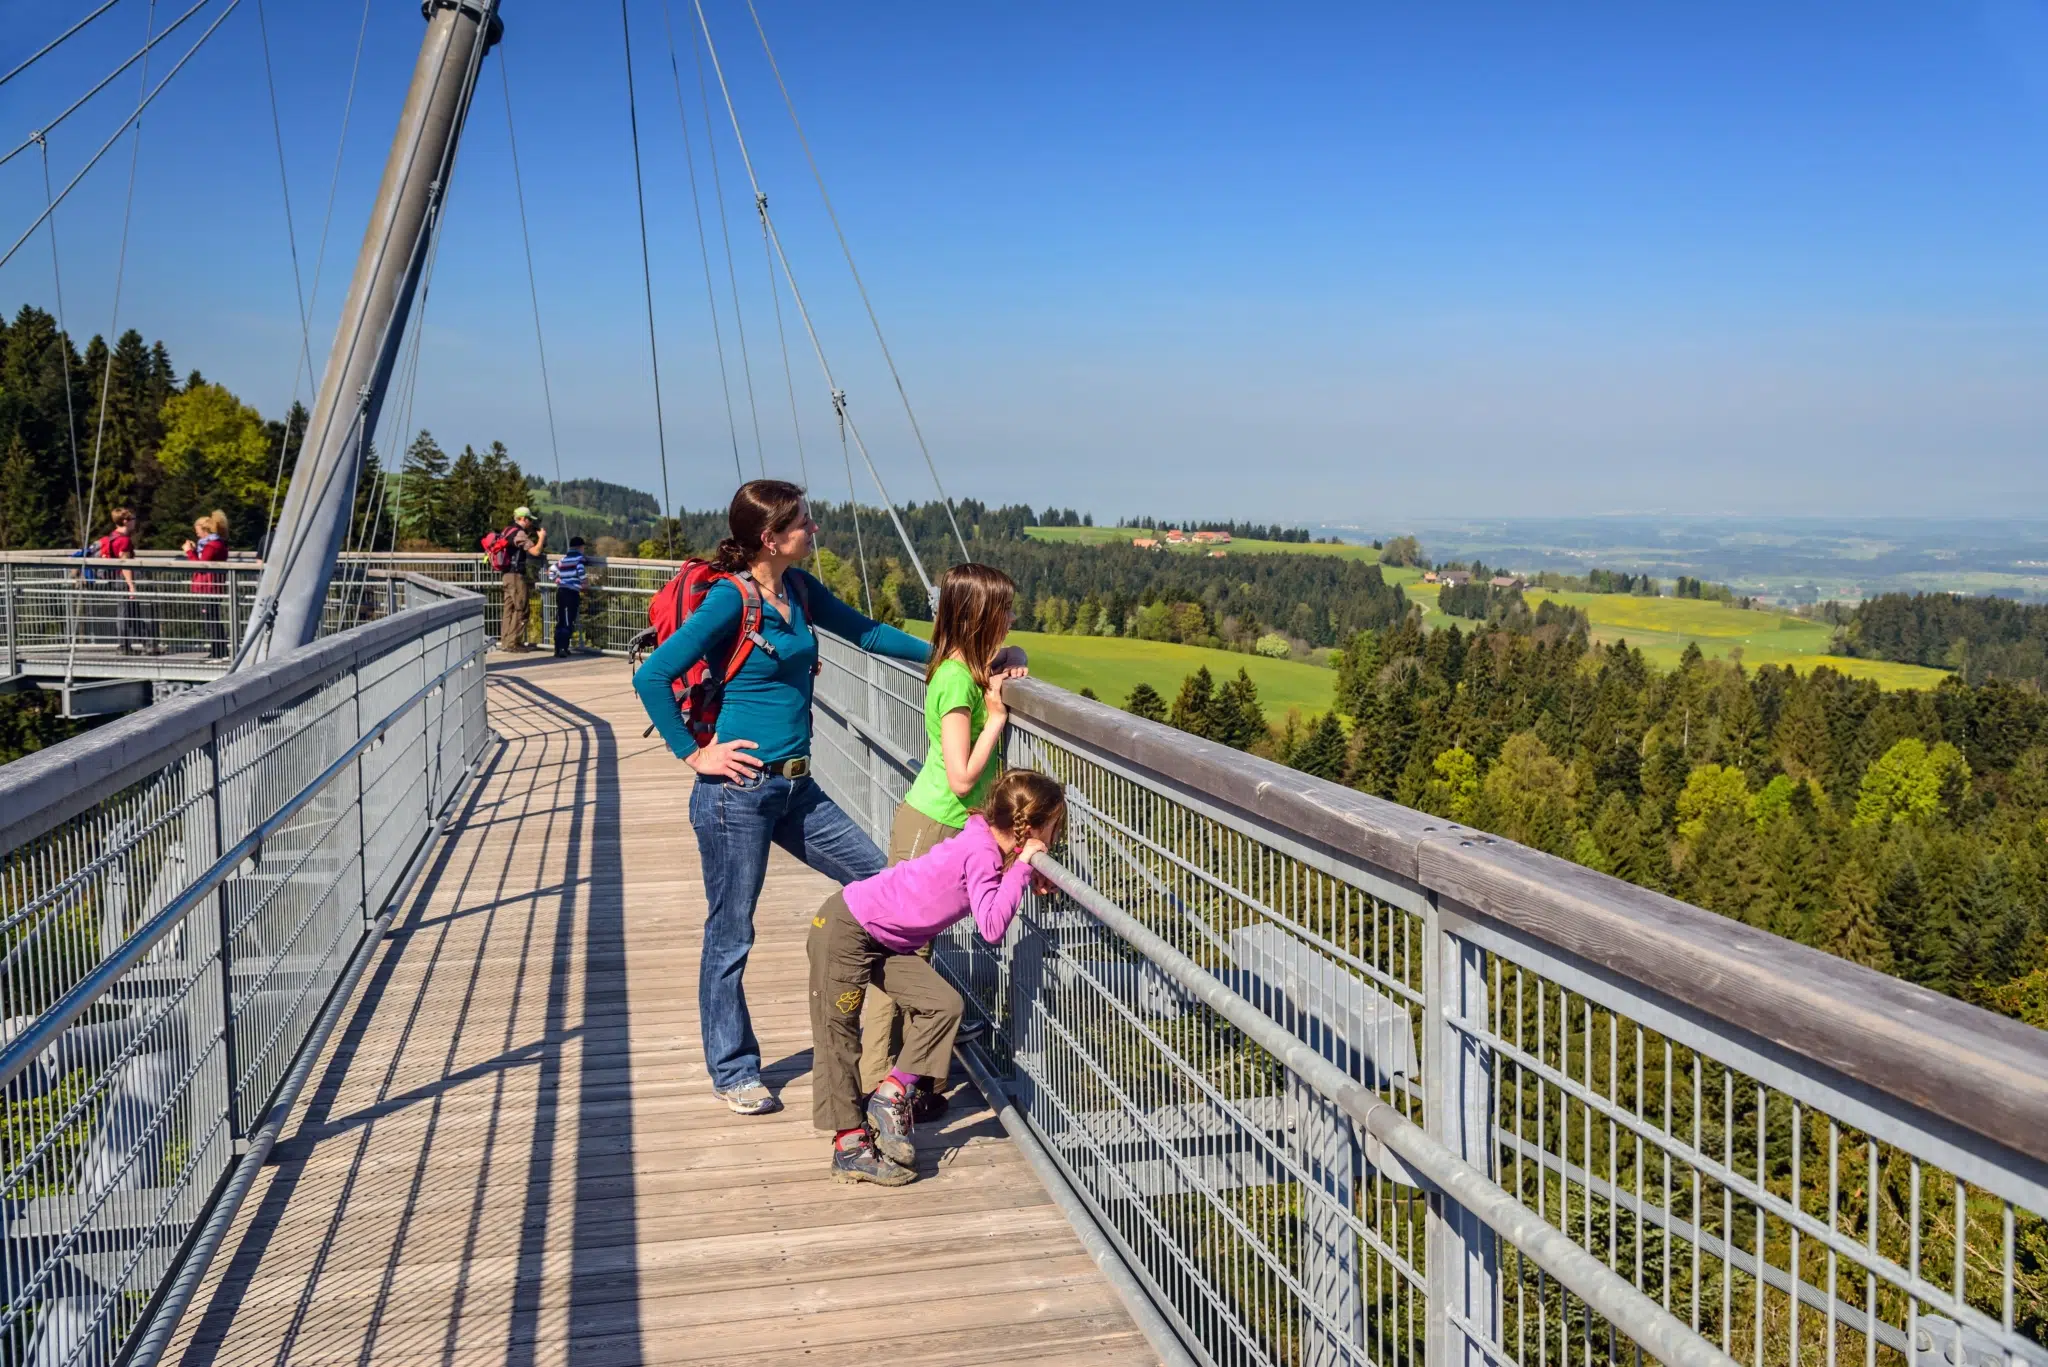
890	1122
862	1163
749	1098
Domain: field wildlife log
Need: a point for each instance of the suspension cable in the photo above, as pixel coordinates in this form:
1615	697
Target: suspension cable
63	345
126	123
99	439
291	235
532	282
47	48
703	248
103	83
782	338
803	311
860	550
846	248
303	366
739	319
646	271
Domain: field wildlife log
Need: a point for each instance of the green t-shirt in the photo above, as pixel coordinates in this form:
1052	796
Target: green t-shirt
951	689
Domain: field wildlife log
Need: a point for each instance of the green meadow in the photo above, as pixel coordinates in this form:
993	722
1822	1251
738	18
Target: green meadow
1114	665
1662	628
1123	536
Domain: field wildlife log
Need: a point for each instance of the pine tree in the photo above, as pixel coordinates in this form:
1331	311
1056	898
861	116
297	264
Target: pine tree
423	494
1322	753
1194	710
1145	702
1850	926
1922	937
1237	720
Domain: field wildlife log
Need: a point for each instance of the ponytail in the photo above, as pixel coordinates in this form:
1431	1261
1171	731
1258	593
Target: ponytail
760	508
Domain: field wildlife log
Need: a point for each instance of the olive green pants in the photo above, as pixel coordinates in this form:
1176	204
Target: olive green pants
881	1023
846	964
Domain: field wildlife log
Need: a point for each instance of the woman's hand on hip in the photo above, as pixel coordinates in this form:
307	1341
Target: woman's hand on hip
725	759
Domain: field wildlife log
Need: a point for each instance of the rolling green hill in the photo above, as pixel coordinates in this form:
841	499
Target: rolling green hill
1123	536
1662	627
1113	665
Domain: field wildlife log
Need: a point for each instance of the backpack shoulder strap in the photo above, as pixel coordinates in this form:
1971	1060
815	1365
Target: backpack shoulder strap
750	623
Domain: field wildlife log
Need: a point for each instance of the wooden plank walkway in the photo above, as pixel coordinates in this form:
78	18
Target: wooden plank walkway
511	1154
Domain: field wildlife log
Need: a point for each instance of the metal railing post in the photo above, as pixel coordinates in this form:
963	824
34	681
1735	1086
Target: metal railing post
7	594
1462	1253
234	622
224	908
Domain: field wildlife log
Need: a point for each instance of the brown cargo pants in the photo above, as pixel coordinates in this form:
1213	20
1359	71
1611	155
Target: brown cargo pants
845	959
517	594
881	1025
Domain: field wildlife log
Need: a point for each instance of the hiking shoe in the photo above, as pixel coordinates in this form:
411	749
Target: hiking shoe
890	1122
862	1163
929	1105
749	1098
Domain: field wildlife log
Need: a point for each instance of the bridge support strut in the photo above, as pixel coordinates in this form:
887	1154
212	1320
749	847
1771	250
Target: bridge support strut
310	534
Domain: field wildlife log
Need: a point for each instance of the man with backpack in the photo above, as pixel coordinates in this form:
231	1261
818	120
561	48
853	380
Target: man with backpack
512	553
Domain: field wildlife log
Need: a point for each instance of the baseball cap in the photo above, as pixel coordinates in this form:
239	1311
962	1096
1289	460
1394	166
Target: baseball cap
521	511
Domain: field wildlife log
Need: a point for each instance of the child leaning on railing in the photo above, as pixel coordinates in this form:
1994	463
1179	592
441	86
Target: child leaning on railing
870	932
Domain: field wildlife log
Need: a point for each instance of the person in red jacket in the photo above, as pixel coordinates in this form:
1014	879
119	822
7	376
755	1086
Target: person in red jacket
211	545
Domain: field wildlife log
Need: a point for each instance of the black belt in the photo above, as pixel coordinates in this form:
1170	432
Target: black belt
796	766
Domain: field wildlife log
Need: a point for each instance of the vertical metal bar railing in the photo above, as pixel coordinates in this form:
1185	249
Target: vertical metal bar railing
1758	1167
181	893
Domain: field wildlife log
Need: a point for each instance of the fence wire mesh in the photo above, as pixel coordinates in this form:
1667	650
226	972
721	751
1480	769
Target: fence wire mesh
119	1133
1780	1216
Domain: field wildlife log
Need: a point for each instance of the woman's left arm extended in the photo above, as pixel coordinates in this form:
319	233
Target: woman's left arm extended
878	638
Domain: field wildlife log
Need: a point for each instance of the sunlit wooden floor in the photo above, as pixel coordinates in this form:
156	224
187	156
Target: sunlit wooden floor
511	1152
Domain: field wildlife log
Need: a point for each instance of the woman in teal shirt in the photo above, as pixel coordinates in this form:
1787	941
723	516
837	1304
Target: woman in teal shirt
754	786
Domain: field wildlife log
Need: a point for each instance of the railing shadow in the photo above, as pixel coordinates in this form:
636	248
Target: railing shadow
471	963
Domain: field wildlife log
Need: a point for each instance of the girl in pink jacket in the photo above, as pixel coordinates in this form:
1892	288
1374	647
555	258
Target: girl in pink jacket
871	931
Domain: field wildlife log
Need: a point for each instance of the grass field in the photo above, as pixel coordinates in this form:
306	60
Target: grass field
1113	665
1123	536
1661	628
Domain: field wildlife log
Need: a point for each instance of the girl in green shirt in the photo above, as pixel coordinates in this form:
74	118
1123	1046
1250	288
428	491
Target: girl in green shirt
964	717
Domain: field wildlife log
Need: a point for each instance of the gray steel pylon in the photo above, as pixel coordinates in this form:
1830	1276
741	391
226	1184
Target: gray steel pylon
312	529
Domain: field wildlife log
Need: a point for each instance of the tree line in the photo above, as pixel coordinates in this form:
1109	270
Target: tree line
1979	638
84	432
1907	831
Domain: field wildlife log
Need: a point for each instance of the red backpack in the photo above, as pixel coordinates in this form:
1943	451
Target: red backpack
500	551
698	693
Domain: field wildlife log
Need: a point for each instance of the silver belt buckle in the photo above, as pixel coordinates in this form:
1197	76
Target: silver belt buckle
800	767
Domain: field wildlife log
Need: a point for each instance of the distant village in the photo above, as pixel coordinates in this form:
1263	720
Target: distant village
1177	537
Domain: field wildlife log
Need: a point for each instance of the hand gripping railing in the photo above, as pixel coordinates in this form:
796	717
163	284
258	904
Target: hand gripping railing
1792	1157
185	897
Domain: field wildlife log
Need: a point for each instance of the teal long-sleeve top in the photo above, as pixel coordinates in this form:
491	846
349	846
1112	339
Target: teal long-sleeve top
769	701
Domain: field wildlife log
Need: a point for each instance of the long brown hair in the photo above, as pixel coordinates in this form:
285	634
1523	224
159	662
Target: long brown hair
759	507
1022	801
972	618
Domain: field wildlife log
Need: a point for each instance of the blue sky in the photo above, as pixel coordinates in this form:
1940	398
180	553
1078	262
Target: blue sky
1346	263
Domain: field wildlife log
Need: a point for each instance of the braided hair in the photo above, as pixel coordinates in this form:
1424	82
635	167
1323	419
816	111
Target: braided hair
1023	801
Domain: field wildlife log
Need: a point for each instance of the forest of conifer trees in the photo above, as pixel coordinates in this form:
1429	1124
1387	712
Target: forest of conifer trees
1907	831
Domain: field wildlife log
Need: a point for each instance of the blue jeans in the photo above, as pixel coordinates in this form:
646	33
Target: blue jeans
735	823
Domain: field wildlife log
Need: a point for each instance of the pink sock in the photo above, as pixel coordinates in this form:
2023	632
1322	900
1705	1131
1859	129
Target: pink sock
907	1081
